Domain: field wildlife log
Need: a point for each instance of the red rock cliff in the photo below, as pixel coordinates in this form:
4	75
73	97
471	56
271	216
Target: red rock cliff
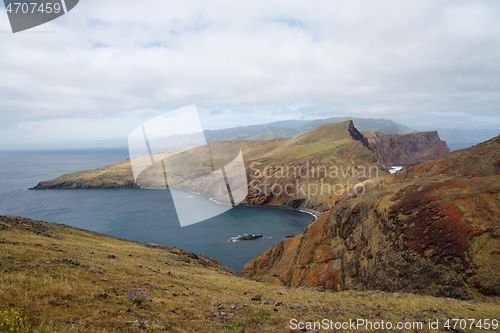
430	229
407	149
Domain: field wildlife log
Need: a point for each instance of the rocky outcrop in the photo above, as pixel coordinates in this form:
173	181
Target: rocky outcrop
307	170
244	237
301	172
430	229
114	176
407	149
304	171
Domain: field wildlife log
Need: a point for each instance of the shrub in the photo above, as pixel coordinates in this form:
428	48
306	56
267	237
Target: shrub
139	296
13	321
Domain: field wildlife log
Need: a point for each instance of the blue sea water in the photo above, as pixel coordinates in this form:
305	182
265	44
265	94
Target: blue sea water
141	215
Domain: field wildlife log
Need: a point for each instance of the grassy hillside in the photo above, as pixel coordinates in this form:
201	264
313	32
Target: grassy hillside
327	157
268	164
60	279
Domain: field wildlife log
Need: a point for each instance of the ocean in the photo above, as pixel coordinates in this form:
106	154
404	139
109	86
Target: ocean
136	214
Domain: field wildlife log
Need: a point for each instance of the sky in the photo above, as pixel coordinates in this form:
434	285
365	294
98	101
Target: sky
88	78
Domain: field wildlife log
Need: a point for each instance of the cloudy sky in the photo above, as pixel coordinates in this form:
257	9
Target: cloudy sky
91	76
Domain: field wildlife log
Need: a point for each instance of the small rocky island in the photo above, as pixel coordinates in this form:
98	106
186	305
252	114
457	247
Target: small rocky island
244	237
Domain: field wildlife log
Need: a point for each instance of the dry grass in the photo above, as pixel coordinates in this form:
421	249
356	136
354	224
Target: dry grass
69	280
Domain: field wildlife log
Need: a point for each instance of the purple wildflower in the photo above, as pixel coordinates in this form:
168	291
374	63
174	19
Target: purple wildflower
139	296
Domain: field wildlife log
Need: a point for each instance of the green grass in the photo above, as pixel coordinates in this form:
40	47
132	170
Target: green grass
66	281
297	150
13	321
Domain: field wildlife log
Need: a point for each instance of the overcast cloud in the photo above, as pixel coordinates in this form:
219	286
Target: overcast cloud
98	71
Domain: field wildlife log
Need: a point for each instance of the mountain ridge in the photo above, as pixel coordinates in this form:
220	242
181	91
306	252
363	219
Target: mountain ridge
289	128
340	150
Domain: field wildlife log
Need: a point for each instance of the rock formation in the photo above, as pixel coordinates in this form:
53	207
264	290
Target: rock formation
430	229
407	149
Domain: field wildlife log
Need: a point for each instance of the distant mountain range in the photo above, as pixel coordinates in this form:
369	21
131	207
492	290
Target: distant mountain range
456	138
289	128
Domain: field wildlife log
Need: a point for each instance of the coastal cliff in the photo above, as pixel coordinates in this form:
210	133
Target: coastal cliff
304	171
407	149
429	229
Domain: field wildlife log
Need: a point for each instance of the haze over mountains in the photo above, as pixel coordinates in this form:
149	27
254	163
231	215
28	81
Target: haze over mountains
288	128
456	138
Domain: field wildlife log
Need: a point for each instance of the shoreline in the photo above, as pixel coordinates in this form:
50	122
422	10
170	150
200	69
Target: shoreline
314	213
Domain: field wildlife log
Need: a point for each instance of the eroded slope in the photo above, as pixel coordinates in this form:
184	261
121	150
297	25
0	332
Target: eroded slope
430	229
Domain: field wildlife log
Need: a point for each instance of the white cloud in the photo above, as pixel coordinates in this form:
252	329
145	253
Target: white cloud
420	62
